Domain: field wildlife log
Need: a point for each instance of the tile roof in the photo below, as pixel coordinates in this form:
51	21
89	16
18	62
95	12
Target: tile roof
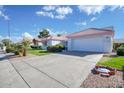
92	31
61	38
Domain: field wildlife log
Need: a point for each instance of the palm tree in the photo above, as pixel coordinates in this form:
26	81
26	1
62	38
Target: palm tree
25	45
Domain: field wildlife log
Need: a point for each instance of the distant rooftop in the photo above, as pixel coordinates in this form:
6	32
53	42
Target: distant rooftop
119	40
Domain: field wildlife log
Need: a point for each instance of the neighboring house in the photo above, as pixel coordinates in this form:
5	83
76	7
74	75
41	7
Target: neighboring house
52	40
117	43
92	39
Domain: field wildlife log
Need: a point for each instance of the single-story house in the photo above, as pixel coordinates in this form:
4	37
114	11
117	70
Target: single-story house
52	40
92	39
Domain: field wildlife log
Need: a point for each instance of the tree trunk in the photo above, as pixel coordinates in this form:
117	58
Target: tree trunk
25	52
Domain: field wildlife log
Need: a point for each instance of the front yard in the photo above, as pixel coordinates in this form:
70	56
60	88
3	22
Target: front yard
116	81
38	52
113	62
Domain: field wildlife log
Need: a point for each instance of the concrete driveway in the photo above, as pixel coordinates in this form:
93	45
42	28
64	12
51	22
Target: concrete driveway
68	69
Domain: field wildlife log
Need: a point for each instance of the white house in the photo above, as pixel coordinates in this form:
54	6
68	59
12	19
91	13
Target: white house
52	40
92	39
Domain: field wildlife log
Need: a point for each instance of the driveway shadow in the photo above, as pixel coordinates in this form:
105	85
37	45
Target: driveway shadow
78	53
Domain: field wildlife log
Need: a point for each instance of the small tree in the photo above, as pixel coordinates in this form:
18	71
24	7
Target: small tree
7	42
25	45
44	34
59	35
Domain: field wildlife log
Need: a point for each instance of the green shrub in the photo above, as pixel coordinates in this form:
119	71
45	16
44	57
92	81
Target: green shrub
116	45
10	49
56	48
32	47
16	52
120	51
60	46
36	47
19	52
20	49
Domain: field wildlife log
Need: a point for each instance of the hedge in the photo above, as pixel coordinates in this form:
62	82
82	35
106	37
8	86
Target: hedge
56	48
120	51
36	47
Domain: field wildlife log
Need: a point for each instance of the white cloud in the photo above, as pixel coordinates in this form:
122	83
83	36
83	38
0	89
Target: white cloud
2	14
49	8
6	17
42	13
48	29
91	9
114	7
84	23
27	35
54	33
93	18
55	12
64	10
16	39
13	38
51	31
97	9
1	37
60	16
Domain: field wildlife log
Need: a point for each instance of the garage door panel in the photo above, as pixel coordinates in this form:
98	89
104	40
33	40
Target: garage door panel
87	44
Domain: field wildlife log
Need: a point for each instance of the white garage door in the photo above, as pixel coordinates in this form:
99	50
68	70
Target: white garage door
88	44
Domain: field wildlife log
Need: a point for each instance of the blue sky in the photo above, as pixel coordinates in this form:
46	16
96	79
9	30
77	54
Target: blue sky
29	20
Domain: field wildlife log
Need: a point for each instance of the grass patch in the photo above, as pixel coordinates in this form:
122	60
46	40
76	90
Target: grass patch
117	62
38	52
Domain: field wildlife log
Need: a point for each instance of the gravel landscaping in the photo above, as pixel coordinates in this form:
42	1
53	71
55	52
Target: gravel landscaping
96	81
